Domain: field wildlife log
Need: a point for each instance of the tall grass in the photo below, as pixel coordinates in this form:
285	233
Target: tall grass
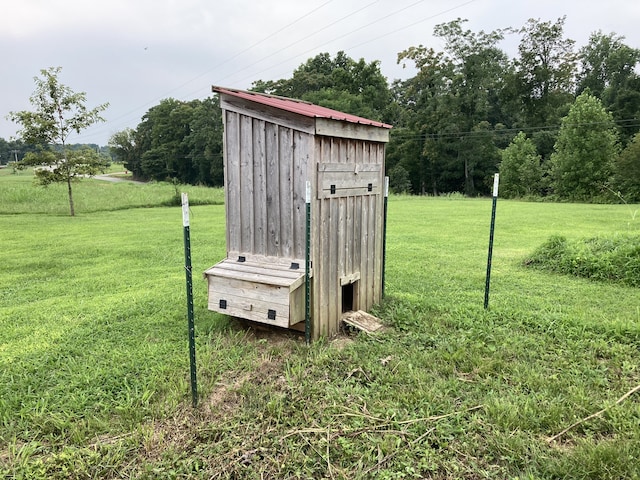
94	364
611	258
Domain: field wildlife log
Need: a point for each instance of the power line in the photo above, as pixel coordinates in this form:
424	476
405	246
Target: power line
624	123
296	43
98	131
365	26
431	17
271	35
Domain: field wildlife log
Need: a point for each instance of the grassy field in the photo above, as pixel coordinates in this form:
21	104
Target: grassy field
19	195
94	374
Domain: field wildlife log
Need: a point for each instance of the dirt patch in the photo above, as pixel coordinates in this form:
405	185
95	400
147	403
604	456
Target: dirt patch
216	411
341	341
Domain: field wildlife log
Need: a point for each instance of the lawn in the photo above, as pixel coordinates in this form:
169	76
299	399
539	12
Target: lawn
94	374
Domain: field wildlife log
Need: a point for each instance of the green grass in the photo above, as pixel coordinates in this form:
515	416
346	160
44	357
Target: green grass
19	195
94	367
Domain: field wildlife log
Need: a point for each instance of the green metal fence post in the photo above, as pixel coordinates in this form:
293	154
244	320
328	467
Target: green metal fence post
496	180
384	232
187	267
307	265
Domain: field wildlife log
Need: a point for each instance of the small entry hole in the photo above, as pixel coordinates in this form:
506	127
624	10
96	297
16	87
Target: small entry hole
349	297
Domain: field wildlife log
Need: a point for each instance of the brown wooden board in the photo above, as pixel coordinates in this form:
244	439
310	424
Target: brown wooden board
362	321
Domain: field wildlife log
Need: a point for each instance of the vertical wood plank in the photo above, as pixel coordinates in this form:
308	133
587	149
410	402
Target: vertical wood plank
379	226
364	250
323	267
232	180
341	250
285	147
351	156
246	184
275	190
260	189
371	249
334	284
357	245
316	244
299	146
348	241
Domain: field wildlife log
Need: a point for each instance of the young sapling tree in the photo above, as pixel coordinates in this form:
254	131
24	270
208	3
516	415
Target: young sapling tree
57	113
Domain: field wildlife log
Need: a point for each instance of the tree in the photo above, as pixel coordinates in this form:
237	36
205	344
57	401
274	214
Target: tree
341	83
545	71
159	137
423	140
626	177
520	168
122	145
204	143
453	108
609	72
176	140
399	181
587	145
58	113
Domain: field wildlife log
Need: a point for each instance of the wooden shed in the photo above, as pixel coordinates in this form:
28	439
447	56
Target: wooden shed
273	146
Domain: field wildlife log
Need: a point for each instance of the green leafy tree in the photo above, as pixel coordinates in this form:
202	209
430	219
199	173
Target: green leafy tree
587	145
399	181
5	152
341	83
122	145
545	72
453	108
606	61
422	141
626	177
204	143
176	140
520	169
58	113
13	150
608	71
159	137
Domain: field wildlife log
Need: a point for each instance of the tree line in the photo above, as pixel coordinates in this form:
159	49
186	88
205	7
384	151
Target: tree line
556	120
175	140
471	111
15	150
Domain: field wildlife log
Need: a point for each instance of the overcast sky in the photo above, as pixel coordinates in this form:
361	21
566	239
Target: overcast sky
133	53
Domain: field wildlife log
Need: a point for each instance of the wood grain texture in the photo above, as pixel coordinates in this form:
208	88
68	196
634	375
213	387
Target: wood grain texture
269	156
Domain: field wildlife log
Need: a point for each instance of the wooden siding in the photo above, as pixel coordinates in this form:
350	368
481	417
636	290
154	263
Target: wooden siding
346	229
330	128
269	156
265	173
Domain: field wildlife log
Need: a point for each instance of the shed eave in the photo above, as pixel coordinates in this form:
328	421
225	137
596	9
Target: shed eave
357	131
299	107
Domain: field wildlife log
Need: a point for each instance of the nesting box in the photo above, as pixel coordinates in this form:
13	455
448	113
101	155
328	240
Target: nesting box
273	146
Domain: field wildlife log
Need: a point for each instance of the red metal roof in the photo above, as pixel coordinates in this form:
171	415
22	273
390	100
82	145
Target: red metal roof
298	106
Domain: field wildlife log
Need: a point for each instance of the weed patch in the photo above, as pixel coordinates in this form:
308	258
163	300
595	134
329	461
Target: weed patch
614	258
